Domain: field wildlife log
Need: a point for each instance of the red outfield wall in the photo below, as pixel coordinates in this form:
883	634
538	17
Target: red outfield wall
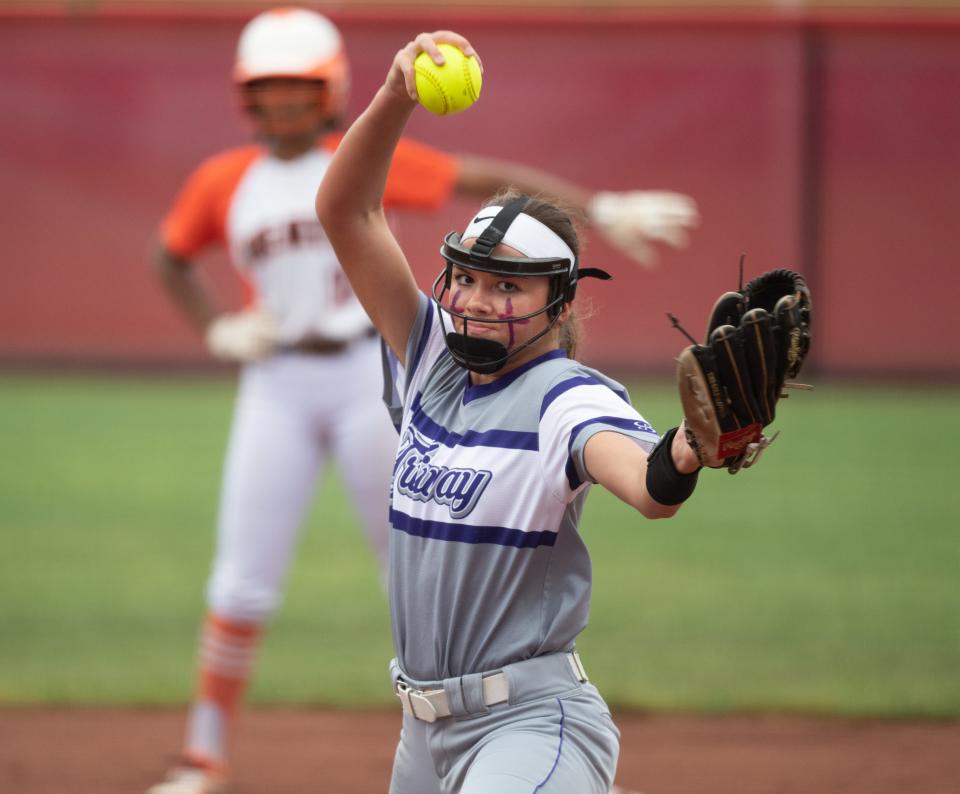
832	147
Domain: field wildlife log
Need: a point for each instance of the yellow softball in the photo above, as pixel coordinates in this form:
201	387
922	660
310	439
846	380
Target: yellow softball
450	88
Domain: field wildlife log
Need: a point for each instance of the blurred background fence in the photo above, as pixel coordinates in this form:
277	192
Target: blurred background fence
823	581
826	143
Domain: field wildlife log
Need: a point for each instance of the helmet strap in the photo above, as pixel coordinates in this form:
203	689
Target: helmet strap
492	236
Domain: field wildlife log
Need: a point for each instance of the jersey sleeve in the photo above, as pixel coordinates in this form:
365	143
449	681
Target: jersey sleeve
198	216
574	409
420	177
424	346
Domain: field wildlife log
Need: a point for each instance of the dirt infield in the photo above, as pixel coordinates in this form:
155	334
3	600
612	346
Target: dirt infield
285	751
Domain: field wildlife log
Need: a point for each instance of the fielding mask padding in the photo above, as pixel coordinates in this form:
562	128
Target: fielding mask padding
483	356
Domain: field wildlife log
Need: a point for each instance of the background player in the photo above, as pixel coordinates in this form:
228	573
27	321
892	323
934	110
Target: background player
489	578
311	382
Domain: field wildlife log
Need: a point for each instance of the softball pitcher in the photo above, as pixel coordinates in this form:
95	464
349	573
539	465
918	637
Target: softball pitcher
502	432
311	382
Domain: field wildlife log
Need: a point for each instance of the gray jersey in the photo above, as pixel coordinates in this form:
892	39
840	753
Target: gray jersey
487	565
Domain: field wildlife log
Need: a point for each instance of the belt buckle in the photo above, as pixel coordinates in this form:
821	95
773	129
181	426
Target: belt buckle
427	712
415	703
402	690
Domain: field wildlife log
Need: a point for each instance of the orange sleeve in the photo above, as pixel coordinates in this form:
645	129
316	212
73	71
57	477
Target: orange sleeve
198	216
420	177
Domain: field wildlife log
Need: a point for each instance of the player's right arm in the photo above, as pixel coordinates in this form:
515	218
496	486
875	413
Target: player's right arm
179	279
196	220
350	199
245	336
192	223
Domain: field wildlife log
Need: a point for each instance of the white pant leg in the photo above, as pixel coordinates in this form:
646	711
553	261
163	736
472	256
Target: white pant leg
364	442
273	460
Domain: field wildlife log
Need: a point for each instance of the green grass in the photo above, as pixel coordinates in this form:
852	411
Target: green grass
823	580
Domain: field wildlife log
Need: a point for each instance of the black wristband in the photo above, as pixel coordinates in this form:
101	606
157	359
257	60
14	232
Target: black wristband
664	483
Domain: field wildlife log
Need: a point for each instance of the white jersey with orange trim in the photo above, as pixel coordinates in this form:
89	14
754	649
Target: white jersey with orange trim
261	208
284	253
305	404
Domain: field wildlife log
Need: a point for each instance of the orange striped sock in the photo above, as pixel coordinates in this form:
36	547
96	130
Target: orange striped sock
227	652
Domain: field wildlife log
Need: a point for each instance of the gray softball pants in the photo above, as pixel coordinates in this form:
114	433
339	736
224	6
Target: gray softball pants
554	735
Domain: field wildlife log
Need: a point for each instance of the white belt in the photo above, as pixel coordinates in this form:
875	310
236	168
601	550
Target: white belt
430	705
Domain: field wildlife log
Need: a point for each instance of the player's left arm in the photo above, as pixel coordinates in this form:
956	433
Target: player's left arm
481	177
423	177
622	466
631	221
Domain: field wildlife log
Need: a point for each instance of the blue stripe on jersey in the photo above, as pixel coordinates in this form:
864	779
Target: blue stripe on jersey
502	439
471	393
391	398
636	425
573	479
424	336
572	383
469	533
